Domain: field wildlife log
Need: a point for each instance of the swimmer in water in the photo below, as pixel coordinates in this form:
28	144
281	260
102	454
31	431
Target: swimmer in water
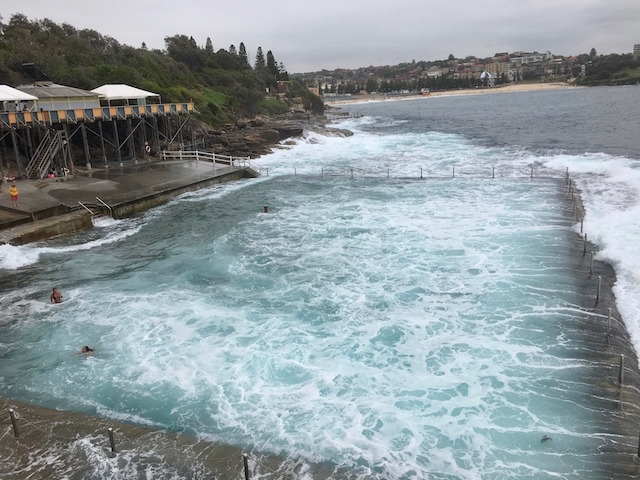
86	350
56	296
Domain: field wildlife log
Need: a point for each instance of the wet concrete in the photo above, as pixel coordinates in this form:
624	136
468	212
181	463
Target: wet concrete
128	189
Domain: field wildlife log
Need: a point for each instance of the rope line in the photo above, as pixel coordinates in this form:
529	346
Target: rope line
20	417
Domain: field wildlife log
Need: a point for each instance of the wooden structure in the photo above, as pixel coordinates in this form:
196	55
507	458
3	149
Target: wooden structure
66	123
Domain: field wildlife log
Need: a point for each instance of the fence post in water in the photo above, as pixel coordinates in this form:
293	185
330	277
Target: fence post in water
581	223
621	373
16	432
609	328
591	267
421	173
531	172
322	173
245	460
584	250
566	178
599	284
454	172
387	173
493	172
111	440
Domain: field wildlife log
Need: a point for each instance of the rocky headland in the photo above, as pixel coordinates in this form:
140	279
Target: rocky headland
260	135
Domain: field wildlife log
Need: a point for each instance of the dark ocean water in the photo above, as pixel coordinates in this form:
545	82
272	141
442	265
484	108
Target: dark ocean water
573	120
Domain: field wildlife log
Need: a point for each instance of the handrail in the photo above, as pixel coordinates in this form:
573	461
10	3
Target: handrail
85	207
110	209
182	155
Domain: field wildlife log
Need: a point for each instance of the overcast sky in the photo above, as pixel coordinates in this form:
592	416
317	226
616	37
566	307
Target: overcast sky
307	35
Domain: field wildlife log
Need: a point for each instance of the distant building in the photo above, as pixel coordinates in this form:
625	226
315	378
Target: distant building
636	51
496	69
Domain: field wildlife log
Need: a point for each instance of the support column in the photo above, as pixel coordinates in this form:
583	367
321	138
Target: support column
156	134
168	122
16	152
180	133
145	143
104	153
29	144
132	144
87	153
117	139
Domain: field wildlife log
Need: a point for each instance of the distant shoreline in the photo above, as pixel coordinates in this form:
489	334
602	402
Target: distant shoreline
511	88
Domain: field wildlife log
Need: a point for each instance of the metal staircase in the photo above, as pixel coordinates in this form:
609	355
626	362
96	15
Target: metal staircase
43	157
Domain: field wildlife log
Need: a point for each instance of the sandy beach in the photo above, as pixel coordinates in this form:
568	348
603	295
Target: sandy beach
511	88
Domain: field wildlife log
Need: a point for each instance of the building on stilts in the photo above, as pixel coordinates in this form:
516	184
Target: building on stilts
46	128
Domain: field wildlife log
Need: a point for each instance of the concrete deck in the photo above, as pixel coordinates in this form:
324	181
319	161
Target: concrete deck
126	189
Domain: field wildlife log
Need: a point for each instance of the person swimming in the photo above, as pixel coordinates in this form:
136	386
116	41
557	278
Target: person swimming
56	296
86	350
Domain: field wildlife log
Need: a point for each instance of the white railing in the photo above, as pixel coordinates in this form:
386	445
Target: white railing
243	162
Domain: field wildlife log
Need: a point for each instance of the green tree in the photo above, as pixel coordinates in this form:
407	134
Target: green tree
451	57
260	62
272	66
242	53
208	47
371	86
593	52
232	50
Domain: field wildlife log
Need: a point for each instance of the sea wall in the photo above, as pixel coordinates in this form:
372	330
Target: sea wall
146	202
47	228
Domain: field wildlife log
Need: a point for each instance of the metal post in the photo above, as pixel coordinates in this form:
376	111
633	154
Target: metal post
581	224
111	440
454	172
85	142
493	172
245	459
14	423
591	267
584	251
104	153
421	173
387	173
621	374
599	284
531	173
566	178
609	326
16	152
352	173
117	139
132	143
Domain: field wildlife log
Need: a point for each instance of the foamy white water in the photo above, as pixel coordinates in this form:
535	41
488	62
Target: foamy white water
391	326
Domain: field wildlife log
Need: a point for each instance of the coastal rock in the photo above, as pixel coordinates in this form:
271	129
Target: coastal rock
260	135
270	135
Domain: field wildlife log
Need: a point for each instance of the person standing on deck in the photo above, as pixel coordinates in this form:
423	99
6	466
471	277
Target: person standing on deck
13	191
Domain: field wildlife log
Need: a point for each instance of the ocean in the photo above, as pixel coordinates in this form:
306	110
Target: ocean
408	308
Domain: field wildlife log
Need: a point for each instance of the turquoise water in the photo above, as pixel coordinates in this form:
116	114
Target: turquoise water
392	326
